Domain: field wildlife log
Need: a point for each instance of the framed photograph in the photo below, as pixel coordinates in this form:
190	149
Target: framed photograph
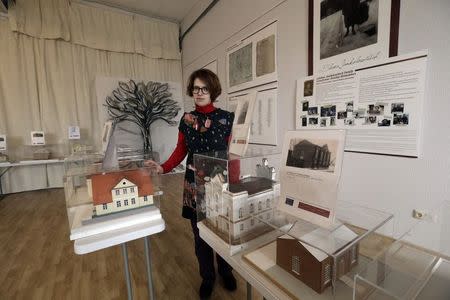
252	60
74	133
351	33
212	66
37	138
3	145
310	173
242	122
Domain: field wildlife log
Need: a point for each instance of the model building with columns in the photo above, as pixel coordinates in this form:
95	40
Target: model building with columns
119	191
236	209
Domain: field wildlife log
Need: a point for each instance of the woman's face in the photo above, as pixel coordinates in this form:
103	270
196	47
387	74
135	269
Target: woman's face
201	93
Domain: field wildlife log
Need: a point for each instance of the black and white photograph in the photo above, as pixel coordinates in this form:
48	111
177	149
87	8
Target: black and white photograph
304	121
349	106
370	120
305	105
397	108
359	113
313	121
376	109
385	121
312	111
333	121
328	111
346	25
401	119
323	122
290	201
308	88
349	121
315	154
342	114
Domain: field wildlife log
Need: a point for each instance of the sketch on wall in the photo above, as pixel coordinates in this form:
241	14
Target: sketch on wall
263	129
252	60
144	112
265	56
240	65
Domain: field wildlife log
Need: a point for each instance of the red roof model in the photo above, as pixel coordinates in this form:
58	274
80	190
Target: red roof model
103	184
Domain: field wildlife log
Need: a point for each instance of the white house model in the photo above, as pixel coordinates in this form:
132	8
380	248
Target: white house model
231	209
119	191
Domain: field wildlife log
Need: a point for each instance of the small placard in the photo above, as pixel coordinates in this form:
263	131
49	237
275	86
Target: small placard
74	132
37	138
3	146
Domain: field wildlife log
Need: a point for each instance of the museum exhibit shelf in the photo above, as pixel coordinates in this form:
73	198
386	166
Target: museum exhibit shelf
230	189
99	200
409	270
40	152
311	262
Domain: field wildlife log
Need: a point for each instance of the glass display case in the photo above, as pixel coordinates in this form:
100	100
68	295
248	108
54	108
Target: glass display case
99	200
312	262
41	152
232	190
416	266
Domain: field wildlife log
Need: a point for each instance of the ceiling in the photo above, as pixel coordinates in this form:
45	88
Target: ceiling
170	10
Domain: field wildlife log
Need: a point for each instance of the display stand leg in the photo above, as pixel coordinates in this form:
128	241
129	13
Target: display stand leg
1	188
127	271
249	291
148	262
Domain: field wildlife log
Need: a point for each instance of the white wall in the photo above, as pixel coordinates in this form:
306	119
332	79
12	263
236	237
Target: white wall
388	183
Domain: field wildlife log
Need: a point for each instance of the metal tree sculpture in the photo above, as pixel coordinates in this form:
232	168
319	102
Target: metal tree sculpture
142	104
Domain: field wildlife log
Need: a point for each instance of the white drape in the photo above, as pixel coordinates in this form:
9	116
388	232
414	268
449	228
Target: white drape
94	27
48	71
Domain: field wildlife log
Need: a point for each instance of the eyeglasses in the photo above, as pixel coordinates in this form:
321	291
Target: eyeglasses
197	89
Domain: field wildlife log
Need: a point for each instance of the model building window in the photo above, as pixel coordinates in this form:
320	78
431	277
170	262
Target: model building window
217	208
268	216
145	198
228	211
118	204
133	201
125	202
117	192
252	208
240	213
267	203
296	265
132	189
124	191
252	222
259	205
241	227
105	206
327	274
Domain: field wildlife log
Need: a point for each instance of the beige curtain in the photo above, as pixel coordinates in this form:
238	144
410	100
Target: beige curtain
93	27
47	76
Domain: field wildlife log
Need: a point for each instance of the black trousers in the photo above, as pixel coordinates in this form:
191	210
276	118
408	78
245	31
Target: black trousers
205	257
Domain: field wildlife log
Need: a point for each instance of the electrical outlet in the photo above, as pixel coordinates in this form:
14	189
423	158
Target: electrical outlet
419	214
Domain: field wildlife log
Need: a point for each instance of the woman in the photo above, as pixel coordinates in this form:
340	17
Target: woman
205	129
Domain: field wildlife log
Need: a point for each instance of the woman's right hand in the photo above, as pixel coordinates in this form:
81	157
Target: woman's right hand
154	165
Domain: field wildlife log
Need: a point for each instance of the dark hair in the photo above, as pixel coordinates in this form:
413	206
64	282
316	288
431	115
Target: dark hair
209	78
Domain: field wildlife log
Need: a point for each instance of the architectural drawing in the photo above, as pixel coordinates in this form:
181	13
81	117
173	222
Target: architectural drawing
240	65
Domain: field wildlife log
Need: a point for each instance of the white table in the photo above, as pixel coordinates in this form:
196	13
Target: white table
254	279
5	166
122	236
